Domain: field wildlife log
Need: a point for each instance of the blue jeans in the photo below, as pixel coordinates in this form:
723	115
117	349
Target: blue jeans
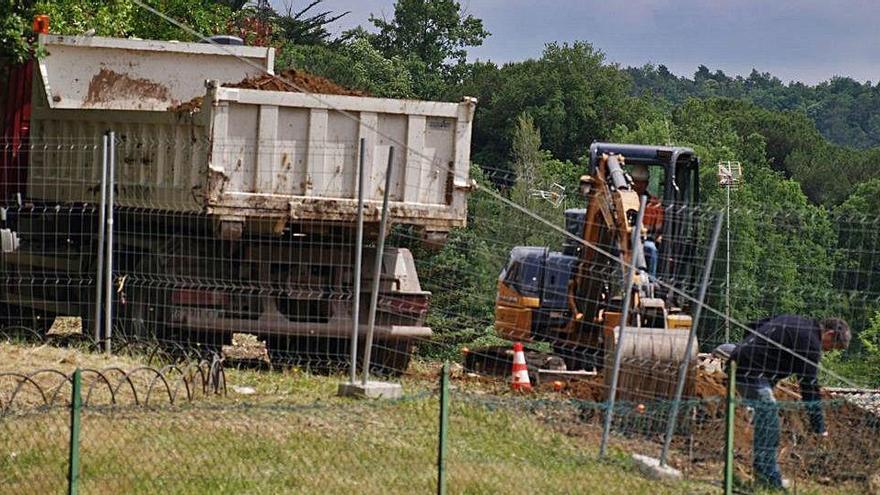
651	256
758	394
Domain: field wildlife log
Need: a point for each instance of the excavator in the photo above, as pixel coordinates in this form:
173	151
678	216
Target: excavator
574	299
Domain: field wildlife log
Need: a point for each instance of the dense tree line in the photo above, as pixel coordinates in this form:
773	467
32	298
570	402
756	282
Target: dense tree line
803	242
845	111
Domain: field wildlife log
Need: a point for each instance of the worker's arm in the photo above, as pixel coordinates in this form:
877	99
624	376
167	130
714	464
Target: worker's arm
812	398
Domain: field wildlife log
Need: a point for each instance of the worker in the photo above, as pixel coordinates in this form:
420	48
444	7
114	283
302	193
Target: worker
777	348
653	218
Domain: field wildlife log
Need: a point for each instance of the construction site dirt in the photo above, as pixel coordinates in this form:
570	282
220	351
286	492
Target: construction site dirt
853	422
852	426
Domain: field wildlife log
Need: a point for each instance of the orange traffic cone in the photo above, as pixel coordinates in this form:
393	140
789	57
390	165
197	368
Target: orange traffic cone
520	369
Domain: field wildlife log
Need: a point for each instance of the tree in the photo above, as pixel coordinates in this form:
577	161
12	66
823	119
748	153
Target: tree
844	111
858	274
436	32
527	157
262	25
306	29
353	63
119	18
572	95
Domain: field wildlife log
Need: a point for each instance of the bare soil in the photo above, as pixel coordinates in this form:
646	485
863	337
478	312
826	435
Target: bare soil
297	81
290	80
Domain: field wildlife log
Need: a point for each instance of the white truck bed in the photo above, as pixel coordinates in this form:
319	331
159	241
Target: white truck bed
247	153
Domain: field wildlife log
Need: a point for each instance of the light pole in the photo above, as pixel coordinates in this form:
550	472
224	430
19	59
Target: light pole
729	177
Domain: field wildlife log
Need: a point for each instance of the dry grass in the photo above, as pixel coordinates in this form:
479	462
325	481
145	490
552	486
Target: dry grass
29	357
293	435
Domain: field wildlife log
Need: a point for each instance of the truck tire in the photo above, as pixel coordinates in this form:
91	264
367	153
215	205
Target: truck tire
391	357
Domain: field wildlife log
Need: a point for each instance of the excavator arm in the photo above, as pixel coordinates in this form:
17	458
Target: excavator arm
608	223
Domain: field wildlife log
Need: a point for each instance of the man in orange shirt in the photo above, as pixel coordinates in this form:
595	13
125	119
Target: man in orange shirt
653	219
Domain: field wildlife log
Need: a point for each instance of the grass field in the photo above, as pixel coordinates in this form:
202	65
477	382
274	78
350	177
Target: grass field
293	435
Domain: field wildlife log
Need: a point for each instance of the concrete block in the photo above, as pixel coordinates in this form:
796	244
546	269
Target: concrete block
651	468
372	390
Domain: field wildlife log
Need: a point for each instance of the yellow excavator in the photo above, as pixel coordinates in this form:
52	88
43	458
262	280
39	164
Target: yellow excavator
573	299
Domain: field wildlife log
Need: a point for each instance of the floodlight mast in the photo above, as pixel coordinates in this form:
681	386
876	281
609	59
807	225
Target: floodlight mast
729	176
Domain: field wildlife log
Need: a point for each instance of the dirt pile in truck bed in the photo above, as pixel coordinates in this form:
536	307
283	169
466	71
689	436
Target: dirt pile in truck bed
290	80
296	81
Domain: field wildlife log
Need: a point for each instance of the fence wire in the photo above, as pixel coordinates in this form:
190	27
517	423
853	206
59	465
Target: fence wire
270	285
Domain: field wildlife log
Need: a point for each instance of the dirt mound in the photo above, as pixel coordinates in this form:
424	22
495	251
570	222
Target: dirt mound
290	80
295	81
593	390
191	106
848	453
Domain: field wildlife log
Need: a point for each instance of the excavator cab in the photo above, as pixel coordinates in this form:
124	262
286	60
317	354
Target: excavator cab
573	298
534	288
675	183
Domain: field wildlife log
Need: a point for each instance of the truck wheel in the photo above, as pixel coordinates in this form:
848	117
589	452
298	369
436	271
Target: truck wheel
391	357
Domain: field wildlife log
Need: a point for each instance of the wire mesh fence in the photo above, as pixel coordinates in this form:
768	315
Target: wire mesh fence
227	228
547	441
280	294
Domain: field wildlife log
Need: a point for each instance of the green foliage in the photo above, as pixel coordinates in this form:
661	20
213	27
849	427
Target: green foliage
870	337
435	32
118	18
527	157
865	365
15	22
354	64
843	110
572	95
858	274
203	16
829	173
462	278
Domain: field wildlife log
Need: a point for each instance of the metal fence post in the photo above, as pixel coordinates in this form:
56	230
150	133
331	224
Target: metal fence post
729	428
377	267
358	256
75	420
102	211
692	337
108	272
444	427
627	297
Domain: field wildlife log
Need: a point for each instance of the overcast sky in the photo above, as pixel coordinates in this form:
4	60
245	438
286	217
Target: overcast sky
804	40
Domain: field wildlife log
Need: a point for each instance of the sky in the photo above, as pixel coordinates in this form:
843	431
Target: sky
795	40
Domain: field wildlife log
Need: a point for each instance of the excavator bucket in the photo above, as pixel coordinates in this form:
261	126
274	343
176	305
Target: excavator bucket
650	362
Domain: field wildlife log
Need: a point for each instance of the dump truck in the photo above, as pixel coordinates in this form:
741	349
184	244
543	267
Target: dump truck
573	299
235	208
